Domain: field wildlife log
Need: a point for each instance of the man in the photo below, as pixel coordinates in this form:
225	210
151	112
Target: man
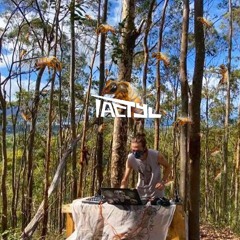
147	163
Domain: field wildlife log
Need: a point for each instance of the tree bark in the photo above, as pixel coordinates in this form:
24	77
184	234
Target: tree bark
158	78
49	134
15	183
128	38
30	150
99	144
146	53
72	97
207	152
226	120
85	122
184	101
4	198
237	176
195	145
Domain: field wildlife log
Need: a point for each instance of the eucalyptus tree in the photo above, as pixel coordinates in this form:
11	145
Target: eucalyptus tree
227	113
146	48
14	67
4	197
129	35
102	77
237	177
184	103
72	94
158	77
195	113
51	117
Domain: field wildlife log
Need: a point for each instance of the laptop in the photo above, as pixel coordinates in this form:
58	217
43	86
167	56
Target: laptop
97	199
122	196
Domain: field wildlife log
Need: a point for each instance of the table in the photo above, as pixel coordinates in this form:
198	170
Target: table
115	222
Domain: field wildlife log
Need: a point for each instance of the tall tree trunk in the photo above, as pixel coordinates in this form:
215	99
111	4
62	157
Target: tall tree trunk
83	148
4	199
99	144
49	133
15	183
31	141
128	38
23	175
158	78
184	100
206	172
226	121
48	159
146	48
146	51
72	97
195	145
14	179
176	143
61	145
237	175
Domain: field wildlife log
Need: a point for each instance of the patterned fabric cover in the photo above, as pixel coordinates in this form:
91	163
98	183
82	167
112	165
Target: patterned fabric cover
109	222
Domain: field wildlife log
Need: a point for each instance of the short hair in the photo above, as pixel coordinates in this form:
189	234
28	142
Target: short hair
140	138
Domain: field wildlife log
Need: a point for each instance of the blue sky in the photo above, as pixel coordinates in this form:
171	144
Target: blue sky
212	14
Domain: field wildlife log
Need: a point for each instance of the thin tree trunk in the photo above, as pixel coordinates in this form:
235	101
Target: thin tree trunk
146	49
83	147
49	135
14	190
72	97
206	176
226	121
184	100
4	199
99	144
158	78
237	176
23	174
48	159
175	145
195	144
31	141
15	183
61	145
146	52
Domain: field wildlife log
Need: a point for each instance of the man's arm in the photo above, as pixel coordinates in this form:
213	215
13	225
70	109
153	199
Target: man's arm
124	182
166	171
166	167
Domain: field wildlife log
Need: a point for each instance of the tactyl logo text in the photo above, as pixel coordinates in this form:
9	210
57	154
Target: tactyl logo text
111	106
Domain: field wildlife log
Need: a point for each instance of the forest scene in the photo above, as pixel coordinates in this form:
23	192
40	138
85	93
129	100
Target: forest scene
179	57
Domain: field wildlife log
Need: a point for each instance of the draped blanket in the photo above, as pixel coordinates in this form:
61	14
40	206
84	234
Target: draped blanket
111	222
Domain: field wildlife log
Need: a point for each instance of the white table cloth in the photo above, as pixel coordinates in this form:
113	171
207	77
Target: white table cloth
111	222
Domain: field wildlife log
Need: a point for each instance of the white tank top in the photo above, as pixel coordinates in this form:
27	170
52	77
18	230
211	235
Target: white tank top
149	174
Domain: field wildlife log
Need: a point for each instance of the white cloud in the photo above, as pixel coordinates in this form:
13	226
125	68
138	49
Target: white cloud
2	23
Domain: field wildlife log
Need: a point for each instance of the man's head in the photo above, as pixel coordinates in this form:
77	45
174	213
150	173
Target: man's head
139	145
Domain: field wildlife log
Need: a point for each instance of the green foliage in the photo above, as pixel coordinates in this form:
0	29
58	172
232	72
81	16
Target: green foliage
116	49
13	234
236	12
138	60
79	14
216	52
